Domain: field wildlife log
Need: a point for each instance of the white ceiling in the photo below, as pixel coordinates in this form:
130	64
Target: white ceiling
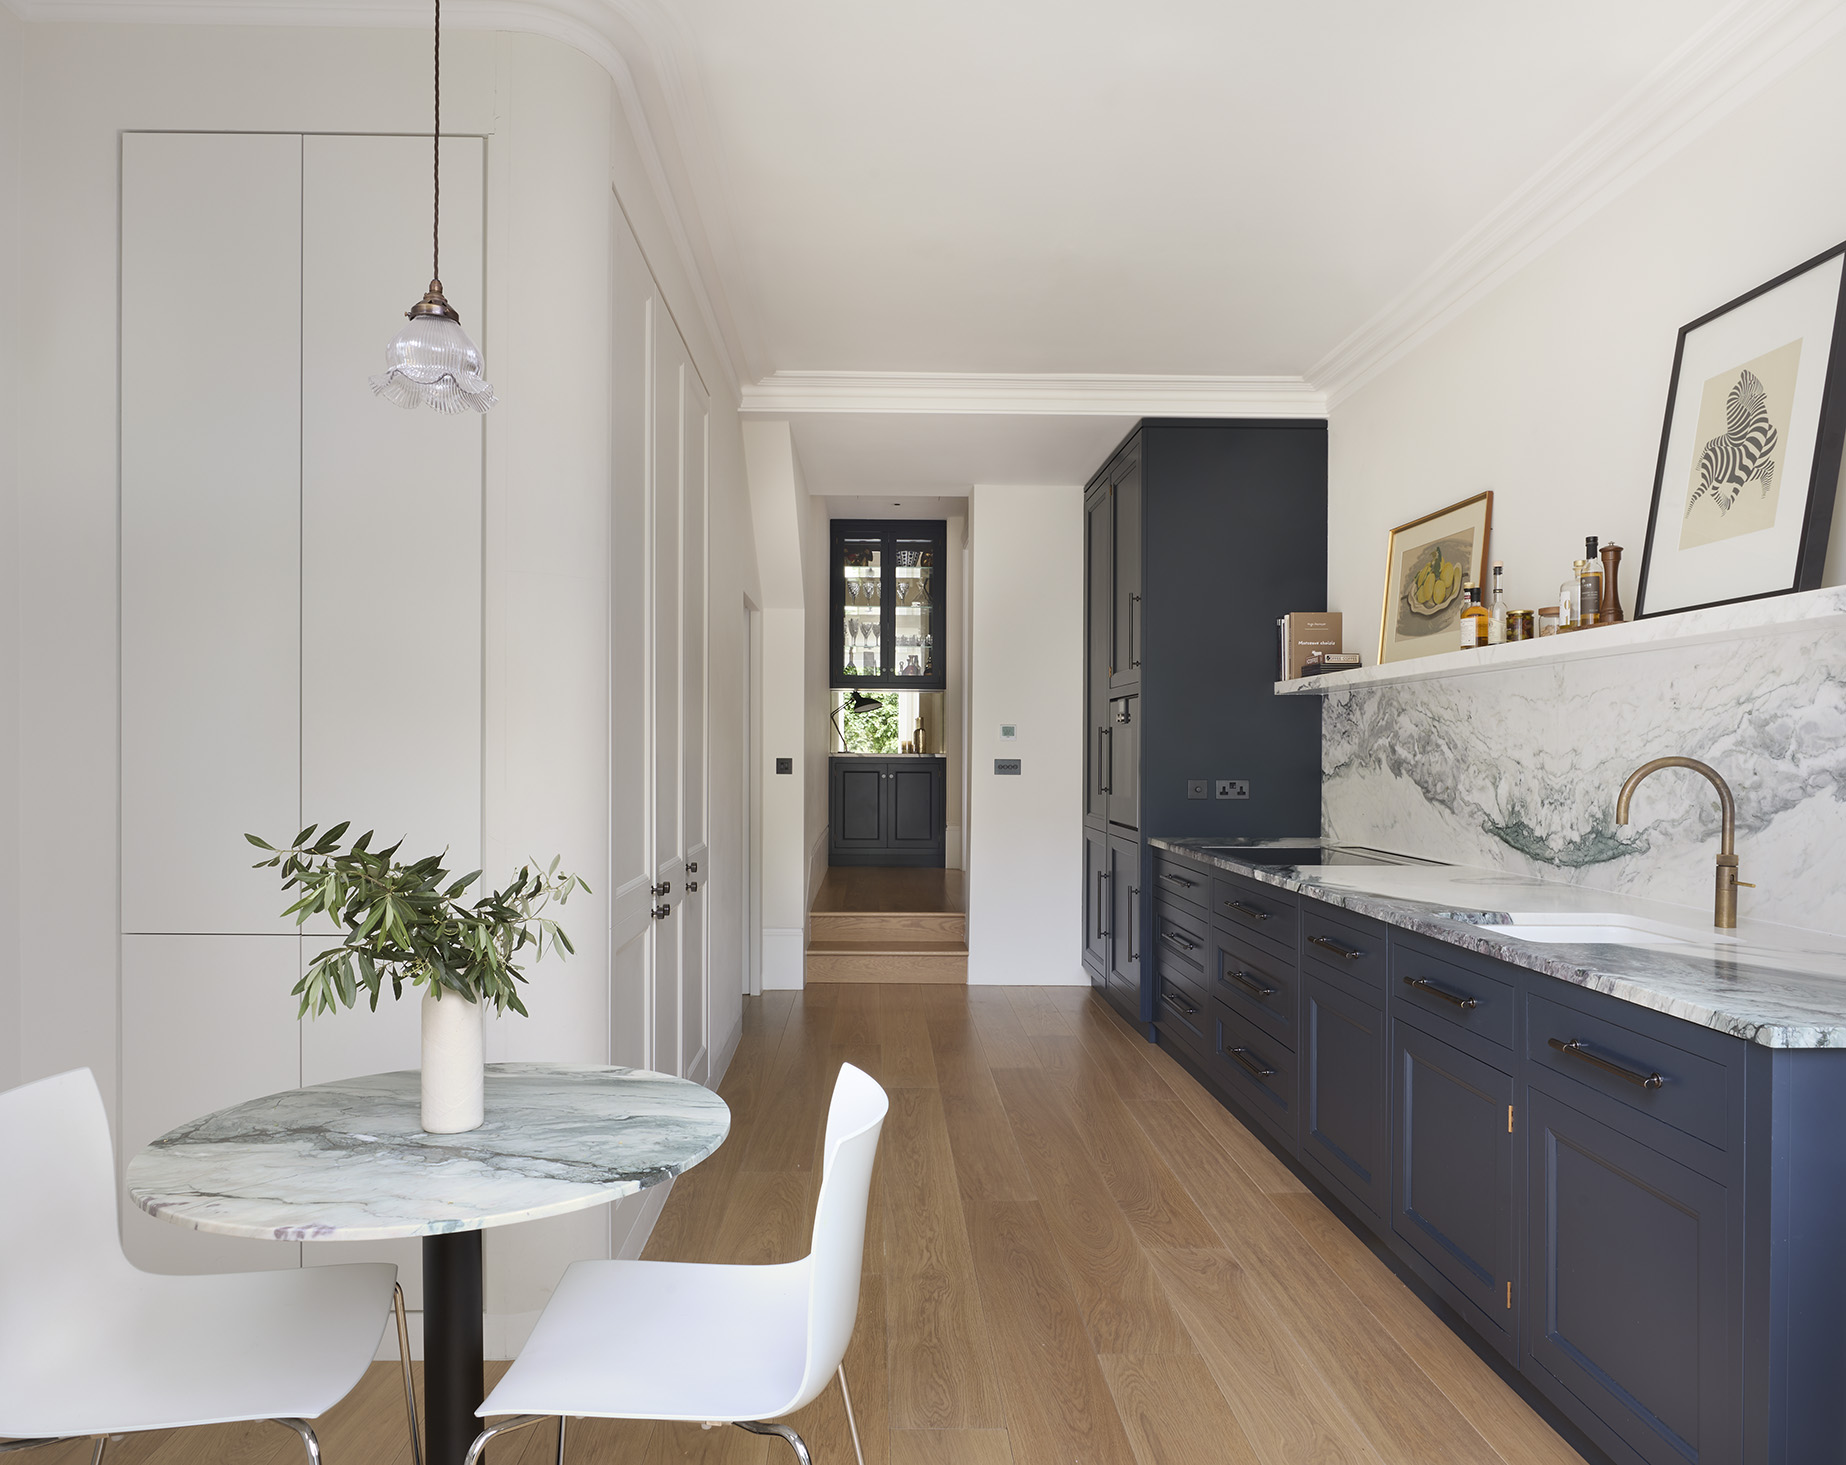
1219	187
898	455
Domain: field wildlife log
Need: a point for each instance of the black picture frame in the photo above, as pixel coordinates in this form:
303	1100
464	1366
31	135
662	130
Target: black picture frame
886	532
1829	446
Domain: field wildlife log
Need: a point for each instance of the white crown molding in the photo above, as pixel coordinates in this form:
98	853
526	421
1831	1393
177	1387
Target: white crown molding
790	392
637	42
1732	58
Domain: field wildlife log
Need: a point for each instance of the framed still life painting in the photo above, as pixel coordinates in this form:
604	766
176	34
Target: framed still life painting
1750	454
1427	562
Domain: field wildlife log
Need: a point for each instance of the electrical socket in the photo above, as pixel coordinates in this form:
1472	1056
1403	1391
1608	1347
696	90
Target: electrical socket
1195	788
1233	788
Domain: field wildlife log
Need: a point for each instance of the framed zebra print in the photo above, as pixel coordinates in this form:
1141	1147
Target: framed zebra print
1750	452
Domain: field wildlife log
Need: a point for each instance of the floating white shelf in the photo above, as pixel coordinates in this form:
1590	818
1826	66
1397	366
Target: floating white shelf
1812	612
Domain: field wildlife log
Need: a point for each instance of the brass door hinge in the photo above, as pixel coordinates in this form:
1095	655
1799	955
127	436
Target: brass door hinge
1509	1294
1509	1118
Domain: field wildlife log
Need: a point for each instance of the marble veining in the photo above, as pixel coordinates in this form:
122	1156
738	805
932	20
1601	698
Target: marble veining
348	1161
1518	769
1776	986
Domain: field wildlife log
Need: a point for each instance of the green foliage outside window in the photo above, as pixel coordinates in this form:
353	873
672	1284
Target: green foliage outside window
875	729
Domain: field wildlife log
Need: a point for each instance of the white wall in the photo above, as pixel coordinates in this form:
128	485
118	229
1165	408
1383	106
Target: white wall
557	143
1026	667
12	46
1551	391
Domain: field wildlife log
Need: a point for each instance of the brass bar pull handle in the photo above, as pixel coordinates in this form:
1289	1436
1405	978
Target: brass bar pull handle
1244	979
1179	879
1134	920
1180	1002
1249	1060
1467	1004
1576	1049
1134	630
1102	905
1175	939
1333	946
1108	777
1253	912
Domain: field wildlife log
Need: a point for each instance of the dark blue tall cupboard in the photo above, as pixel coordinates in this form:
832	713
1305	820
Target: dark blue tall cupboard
1199	535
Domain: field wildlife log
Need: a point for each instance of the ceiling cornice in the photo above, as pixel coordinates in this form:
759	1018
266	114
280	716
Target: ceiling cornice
789	392
637	42
1736	55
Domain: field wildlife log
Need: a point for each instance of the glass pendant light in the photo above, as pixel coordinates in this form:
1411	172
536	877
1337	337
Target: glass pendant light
431	362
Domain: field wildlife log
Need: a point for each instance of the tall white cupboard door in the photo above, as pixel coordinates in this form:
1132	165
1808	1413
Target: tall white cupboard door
391	505
694	553
670	365
630	848
206	1022
210	554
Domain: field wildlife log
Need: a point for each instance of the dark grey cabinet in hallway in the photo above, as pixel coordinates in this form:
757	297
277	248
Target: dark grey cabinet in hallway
887	811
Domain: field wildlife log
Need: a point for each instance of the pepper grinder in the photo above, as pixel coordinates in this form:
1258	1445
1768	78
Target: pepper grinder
1611	612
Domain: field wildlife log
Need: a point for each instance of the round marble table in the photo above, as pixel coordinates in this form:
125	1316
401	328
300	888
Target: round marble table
348	1161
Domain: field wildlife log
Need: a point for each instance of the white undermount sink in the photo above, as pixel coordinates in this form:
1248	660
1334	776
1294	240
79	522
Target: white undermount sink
1600	928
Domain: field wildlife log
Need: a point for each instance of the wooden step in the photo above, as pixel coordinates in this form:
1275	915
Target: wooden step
888	926
888	961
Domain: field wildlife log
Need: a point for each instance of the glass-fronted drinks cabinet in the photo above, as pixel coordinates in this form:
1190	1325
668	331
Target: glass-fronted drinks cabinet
888	612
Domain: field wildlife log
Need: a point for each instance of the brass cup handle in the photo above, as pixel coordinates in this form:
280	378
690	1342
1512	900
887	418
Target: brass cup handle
1253	912
1575	1049
1423	984
1338	950
1250	1061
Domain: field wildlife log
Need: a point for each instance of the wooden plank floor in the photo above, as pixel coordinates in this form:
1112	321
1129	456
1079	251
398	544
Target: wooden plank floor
1074	1257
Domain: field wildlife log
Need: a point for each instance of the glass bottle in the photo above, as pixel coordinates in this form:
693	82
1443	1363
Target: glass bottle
1496	614
1589	585
1567	598
1473	618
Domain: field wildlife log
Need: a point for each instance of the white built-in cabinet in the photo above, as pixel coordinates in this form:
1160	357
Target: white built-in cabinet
304	619
301	583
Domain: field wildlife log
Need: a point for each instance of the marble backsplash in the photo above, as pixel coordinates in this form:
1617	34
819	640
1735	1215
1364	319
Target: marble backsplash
1518	768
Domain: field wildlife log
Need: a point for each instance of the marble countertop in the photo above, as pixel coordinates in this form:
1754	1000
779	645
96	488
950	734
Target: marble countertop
1779	986
348	1161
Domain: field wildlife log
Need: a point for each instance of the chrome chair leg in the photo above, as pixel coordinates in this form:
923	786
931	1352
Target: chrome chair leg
505	1426
851	1423
306	1431
561	1439
410	1388
96	1455
782	1431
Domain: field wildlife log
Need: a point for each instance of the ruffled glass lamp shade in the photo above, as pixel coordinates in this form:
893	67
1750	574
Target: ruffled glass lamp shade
432	363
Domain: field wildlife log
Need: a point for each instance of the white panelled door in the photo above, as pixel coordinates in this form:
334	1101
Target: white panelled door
660	978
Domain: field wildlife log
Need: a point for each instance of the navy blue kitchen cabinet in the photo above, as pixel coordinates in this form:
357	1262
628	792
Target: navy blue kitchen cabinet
1189	561
1640	1214
887	811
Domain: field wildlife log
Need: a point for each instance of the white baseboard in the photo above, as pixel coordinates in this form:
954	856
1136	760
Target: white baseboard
785	956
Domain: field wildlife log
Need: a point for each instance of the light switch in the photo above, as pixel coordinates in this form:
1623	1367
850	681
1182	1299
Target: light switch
1006	765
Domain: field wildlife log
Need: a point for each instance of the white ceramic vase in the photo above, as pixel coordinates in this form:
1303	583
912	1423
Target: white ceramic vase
453	1064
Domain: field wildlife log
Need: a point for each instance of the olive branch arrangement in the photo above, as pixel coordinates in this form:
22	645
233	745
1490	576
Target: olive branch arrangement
405	924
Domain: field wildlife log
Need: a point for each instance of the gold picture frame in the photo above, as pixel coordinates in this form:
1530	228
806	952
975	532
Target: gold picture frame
1426	563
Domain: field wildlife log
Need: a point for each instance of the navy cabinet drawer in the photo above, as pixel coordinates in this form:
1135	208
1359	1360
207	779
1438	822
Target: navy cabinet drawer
1181	1013
1262	911
1183	938
1642	1071
1348	944
1255	1069
1250	980
1177	881
1457	996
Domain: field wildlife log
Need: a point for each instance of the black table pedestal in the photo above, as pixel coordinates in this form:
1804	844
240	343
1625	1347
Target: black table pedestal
454	1379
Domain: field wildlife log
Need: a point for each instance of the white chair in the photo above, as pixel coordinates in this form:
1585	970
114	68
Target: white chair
708	1344
90	1346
